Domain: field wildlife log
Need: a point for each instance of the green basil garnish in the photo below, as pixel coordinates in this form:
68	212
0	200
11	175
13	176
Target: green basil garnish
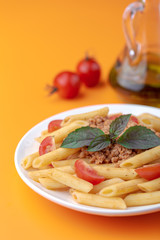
137	137
81	137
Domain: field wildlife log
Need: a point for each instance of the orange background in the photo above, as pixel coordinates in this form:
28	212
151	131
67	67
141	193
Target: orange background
38	39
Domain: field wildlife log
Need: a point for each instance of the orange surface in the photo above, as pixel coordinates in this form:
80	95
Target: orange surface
39	39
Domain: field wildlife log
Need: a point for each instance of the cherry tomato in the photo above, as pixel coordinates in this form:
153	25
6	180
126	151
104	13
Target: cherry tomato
89	71
67	84
134	119
114	116
47	145
84	171
54	125
149	172
50	165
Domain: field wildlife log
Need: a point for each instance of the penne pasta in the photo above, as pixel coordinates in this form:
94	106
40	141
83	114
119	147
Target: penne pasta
67	162
27	161
63	163
121	188
147	115
67	169
98	201
63	132
156	161
73	156
138	199
151	123
71	181
85	116
51	184
35	175
44	173
56	155
123	173
150	186
142	158
44	132
109	165
106	183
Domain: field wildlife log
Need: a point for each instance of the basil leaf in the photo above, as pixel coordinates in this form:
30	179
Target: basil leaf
118	125
81	137
99	143
139	137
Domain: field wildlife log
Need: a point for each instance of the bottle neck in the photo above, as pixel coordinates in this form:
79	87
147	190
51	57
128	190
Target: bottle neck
150	2
149	33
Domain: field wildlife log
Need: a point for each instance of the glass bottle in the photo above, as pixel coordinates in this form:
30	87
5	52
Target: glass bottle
136	73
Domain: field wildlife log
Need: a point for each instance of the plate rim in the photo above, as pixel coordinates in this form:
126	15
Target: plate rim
79	207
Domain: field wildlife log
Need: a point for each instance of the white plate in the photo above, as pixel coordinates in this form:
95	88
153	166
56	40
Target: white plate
27	145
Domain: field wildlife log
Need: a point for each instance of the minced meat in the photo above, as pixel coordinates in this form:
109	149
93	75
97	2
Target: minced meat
114	153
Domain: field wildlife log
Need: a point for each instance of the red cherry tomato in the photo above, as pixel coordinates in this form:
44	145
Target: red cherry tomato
114	116
47	145
50	165
89	71
67	84
84	171
134	119
54	125
149	172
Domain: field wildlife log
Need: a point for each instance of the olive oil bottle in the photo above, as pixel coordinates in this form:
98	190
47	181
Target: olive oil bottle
136	73
138	83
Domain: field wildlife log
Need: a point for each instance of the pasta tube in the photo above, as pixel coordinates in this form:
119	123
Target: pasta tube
68	169
71	181
44	132
138	199
63	163
85	116
35	175
51	184
106	183
150	186
151	123
98	201
109	165
123	173
56	155
63	132
156	161
142	158
119	189
67	162
27	161
147	115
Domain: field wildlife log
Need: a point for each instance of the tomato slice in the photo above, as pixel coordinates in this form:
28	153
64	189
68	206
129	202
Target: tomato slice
134	119
54	125
114	116
149	172
50	165
86	172
47	145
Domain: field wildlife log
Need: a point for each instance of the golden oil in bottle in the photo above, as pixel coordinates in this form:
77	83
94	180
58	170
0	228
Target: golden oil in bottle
140	82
